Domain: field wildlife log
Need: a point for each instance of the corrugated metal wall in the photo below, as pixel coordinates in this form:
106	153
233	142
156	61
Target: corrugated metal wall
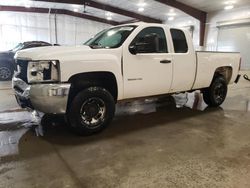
236	39
17	27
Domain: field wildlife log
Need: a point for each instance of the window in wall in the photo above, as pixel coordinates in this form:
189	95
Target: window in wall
155	38
179	41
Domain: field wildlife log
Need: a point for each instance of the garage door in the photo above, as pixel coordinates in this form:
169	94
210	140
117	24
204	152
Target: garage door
236	38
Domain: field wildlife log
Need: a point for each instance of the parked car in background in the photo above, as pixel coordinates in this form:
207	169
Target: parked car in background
7	62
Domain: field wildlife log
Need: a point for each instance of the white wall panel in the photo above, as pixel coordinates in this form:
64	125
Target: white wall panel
17	27
221	16
231	38
10	34
236	39
28	34
42	35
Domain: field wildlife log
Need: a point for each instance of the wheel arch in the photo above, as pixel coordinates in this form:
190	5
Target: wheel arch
225	71
103	79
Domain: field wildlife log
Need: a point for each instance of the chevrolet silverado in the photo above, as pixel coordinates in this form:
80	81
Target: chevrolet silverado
124	62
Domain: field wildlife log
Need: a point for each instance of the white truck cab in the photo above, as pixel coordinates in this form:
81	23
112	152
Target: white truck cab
123	62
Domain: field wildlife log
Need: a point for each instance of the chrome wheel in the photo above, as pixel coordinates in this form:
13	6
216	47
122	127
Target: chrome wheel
5	73
93	112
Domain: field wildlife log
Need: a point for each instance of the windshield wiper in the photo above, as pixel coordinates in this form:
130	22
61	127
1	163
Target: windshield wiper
95	46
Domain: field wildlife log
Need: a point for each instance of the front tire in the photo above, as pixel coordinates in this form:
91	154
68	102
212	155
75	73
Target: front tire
91	111
216	94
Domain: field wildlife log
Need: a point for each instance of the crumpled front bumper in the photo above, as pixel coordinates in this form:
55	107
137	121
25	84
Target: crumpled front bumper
46	98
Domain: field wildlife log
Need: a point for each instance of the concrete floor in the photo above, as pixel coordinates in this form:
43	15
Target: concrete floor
168	142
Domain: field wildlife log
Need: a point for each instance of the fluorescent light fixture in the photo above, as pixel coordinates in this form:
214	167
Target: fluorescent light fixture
141	9
228	7
170	18
171	10
229	2
75	10
75	6
141	4
27	3
108	14
171	14
27	6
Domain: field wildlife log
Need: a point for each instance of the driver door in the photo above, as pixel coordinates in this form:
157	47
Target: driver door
147	64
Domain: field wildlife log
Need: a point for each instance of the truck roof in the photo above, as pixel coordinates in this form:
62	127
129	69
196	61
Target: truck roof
143	24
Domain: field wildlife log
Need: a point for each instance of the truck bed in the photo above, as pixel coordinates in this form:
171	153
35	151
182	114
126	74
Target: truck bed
208	62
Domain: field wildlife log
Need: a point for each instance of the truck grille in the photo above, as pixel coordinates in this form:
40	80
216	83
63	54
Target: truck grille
22	69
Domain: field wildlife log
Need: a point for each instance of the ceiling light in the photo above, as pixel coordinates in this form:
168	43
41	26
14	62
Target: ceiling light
229	2
228	7
76	6
27	3
170	18
171	10
141	9
75	10
27	6
108	14
141	4
109	18
171	14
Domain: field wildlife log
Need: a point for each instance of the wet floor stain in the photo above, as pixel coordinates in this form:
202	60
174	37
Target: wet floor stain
14	124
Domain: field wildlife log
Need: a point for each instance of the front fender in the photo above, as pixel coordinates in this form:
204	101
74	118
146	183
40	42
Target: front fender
101	63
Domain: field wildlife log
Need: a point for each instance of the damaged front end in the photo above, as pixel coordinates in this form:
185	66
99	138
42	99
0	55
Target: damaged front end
42	95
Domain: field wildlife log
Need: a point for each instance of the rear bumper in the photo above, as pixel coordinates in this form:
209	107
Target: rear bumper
46	98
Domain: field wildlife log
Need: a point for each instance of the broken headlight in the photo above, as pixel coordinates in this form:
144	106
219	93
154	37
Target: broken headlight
43	71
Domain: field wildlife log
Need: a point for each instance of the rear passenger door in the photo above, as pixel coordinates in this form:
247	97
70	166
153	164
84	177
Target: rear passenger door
184	61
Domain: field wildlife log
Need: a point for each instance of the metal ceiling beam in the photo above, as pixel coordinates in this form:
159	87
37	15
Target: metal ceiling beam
57	11
194	12
106	7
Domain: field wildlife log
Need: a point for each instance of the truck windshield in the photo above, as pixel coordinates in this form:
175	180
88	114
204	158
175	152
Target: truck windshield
111	38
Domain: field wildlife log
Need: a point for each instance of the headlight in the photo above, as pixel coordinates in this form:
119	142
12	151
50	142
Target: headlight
43	71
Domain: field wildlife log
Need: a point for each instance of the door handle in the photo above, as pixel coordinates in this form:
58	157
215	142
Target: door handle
165	61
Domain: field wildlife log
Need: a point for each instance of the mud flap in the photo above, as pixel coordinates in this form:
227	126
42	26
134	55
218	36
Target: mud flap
237	79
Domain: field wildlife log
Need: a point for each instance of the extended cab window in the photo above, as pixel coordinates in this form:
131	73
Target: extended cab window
179	41
150	40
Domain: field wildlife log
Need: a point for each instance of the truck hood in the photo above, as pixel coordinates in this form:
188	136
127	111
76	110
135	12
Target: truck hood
51	52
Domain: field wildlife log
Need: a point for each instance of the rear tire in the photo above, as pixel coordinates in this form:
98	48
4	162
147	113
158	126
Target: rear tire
91	111
216	94
6	72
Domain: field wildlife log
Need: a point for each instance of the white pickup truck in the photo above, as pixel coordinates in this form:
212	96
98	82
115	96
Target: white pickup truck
123	62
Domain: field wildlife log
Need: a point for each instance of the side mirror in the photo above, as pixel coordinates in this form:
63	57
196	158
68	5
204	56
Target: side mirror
132	49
